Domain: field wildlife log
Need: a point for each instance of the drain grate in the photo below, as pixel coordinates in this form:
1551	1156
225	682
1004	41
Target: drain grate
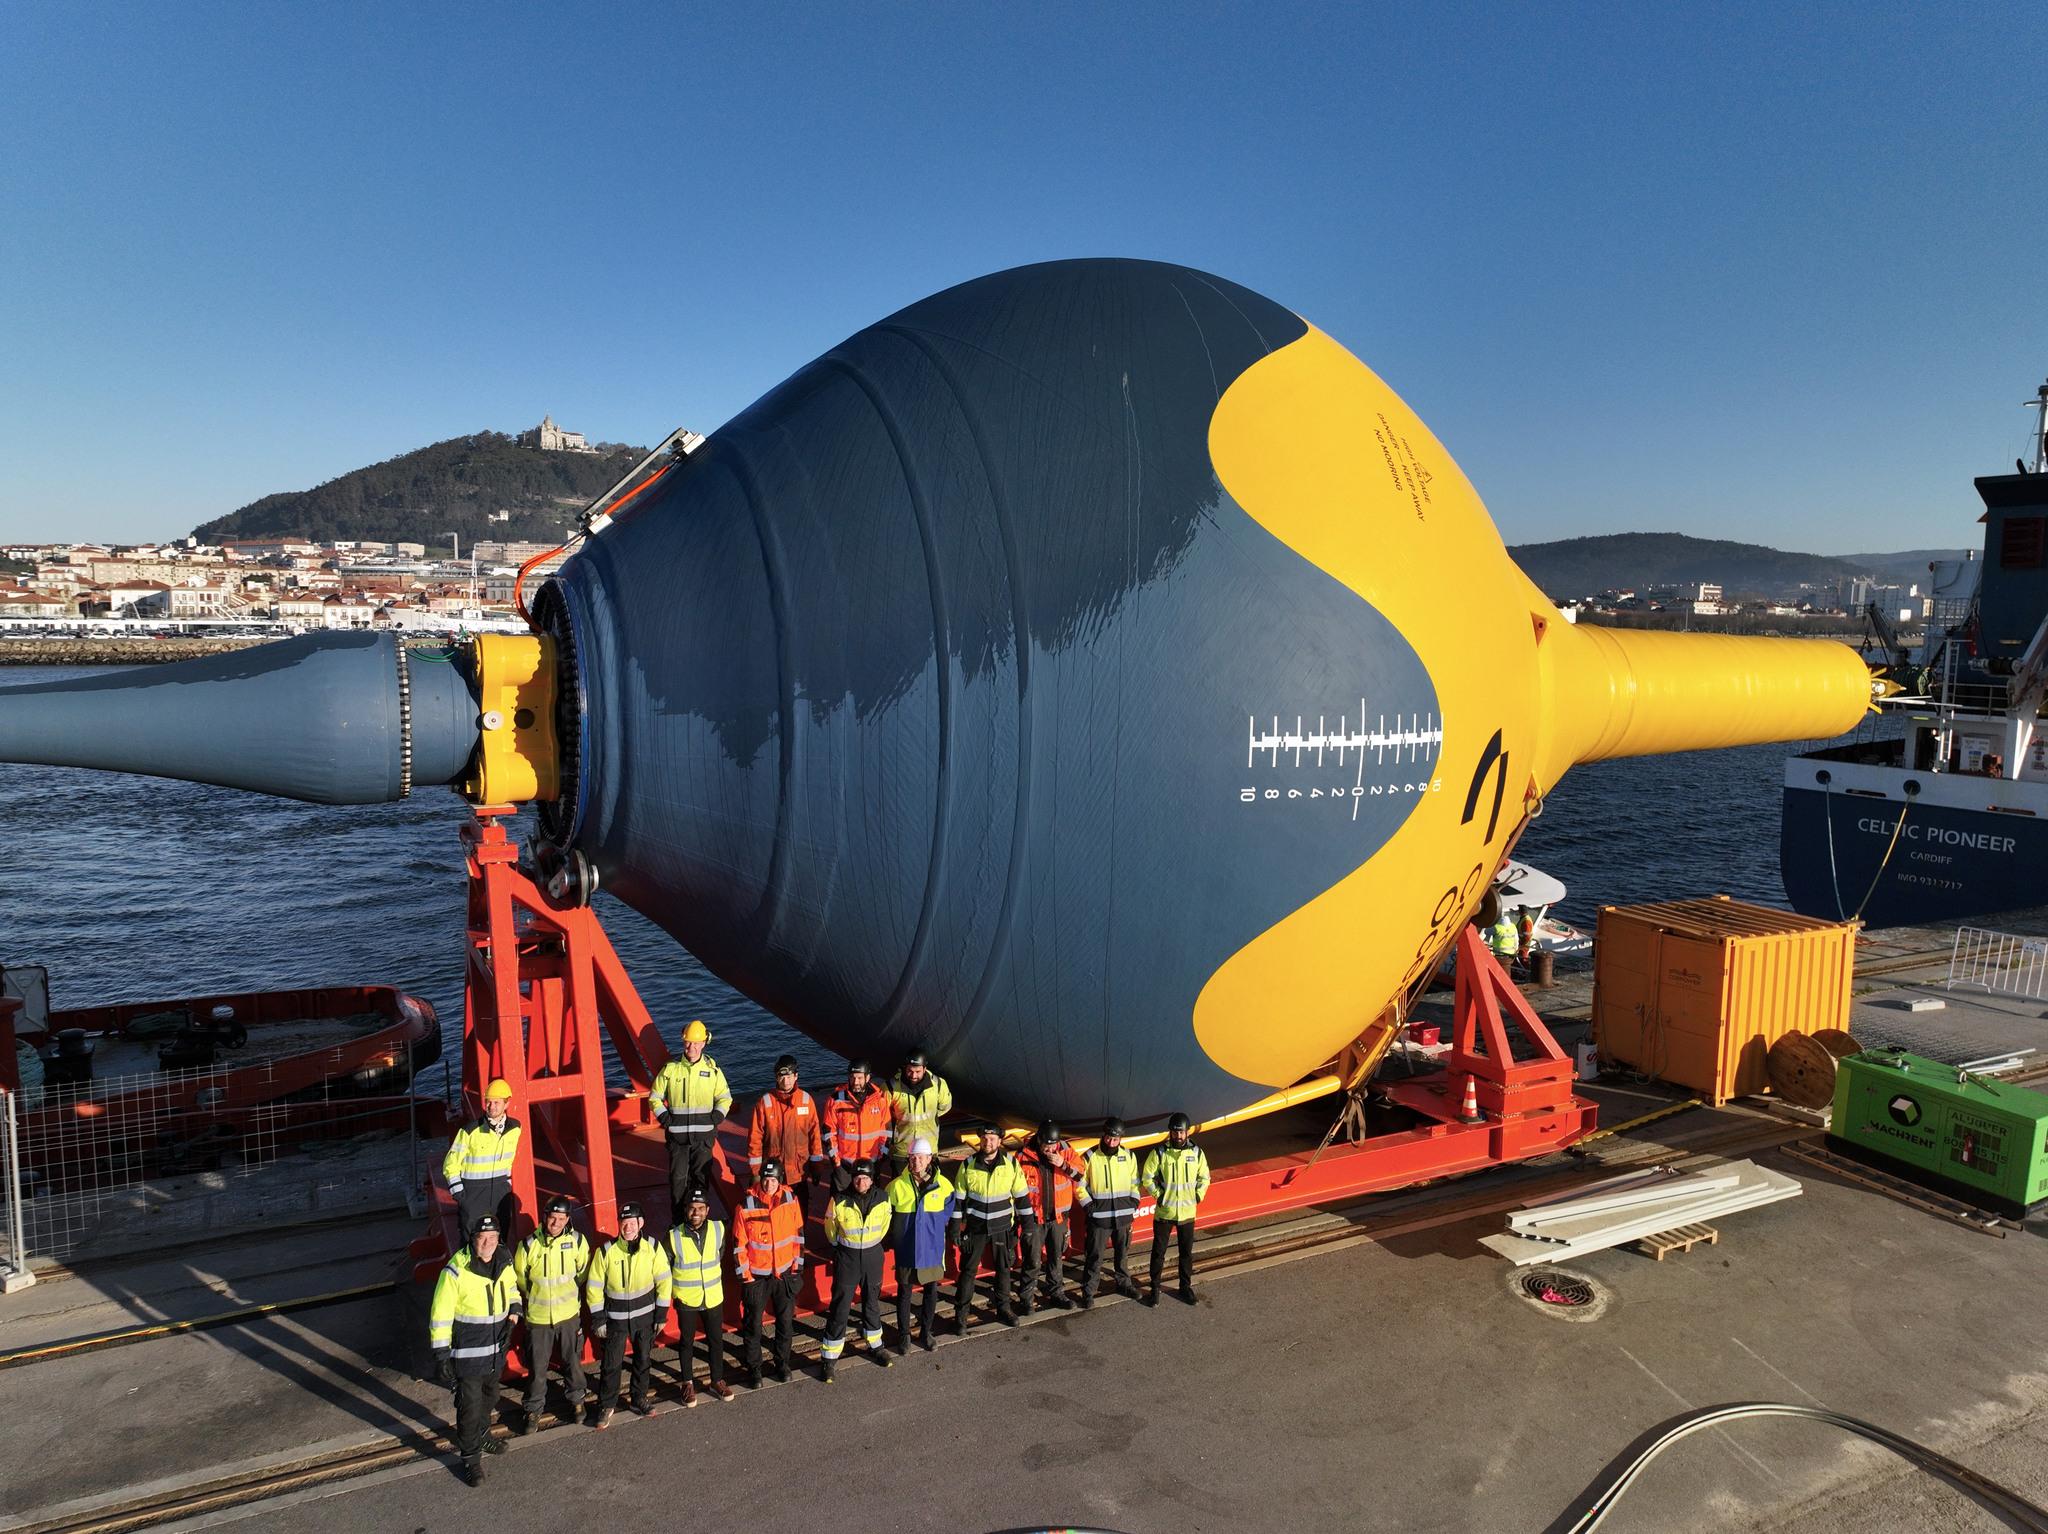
1561	1294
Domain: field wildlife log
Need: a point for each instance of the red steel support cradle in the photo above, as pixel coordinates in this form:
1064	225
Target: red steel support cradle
544	987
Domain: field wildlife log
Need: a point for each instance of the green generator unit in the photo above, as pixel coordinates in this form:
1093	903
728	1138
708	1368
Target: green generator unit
1982	1140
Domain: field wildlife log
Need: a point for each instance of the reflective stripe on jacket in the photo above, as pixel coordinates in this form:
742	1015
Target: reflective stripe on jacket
857	1128
469	1320
917	1110
1177	1178
698	1265
1507	942
1050	1179
1109	1185
479	1153
626	1285
990	1195
768	1237
550	1271
785	1127
920	1212
690	1099
858	1221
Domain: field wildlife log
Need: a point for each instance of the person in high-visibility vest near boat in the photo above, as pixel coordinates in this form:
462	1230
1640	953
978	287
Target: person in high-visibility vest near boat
1176	1174
696	1258
786	1125
920	1214
628	1287
857	1225
918	1099
691	1099
550	1265
857	1118
1051	1173
478	1166
1109	1192
990	1189
469	1326
768	1249
1505	938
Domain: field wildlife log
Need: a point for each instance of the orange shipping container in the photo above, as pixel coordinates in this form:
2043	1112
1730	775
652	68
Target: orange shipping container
1695	992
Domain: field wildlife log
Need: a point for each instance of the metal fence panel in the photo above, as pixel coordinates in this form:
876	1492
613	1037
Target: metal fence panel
133	1163
2006	963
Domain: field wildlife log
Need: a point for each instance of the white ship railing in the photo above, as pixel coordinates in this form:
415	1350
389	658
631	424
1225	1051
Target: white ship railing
2007	963
14	1273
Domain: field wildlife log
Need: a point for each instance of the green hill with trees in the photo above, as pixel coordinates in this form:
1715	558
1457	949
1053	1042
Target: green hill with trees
453	486
1575	567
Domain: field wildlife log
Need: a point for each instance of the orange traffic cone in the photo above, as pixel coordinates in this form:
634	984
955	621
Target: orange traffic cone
1470	1114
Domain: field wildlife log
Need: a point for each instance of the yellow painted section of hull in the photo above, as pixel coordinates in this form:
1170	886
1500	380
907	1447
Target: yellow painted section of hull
1329	460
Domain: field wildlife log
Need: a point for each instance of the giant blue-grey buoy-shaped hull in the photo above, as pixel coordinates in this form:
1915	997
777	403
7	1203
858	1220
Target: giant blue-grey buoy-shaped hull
1092	673
902	703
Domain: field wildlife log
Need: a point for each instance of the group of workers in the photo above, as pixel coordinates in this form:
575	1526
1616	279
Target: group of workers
868	1155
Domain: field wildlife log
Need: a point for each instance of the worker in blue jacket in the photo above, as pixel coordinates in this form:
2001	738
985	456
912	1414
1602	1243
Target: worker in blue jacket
921	1209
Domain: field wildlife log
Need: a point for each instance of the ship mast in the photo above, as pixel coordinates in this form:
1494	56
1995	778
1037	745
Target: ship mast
2039	405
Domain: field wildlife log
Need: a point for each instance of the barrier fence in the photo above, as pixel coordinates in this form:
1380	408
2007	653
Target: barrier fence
120	1164
2006	963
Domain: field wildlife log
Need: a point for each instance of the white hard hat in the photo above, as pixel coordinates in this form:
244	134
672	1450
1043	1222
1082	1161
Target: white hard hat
920	1147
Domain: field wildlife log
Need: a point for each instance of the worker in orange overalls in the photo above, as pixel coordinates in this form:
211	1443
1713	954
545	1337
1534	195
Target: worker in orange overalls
786	1125
857	1118
768	1250
1051	1169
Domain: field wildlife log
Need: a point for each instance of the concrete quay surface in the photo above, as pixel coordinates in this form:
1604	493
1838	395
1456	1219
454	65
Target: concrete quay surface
1394	1384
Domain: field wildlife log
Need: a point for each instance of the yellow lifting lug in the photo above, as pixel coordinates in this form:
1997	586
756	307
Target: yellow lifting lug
517	757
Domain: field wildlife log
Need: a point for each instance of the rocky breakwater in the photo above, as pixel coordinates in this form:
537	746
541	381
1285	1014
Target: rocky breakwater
118	650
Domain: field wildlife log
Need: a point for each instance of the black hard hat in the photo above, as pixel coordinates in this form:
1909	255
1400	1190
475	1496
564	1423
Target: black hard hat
1179	1121
770	1168
697	1195
861	1066
1048	1132
558	1205
861	1168
916	1057
630	1211
484	1223
1112	1126
786	1063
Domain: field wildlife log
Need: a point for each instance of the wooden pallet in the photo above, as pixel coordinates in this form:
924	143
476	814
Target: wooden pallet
1683	1239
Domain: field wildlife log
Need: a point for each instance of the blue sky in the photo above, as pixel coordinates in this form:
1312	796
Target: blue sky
1764	272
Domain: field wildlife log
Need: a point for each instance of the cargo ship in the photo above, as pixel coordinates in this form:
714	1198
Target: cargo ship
1947	818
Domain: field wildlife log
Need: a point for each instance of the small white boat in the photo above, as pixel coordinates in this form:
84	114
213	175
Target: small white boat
1522	888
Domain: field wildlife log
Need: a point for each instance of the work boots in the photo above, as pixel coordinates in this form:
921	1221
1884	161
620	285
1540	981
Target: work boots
473	1472
1187	1294
825	1371
493	1445
1151	1300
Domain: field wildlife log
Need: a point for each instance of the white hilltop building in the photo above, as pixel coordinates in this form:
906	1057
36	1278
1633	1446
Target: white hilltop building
550	438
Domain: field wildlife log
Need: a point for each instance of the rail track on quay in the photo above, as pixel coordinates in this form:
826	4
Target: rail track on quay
1373	1217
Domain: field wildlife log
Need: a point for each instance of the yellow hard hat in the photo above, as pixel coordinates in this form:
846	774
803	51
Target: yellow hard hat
498	1088
697	1033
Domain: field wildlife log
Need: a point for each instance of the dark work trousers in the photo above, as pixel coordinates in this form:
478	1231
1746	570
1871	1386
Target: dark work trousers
475	1395
689	1162
1116	1235
1182	1231
542	1344
482	1196
617	1334
757	1298
1043	1241
927	1307
974	1240
688	1321
856	1267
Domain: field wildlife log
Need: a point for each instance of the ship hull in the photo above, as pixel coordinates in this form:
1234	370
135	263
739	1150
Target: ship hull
1969	846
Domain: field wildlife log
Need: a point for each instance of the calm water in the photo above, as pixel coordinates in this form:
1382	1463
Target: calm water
132	888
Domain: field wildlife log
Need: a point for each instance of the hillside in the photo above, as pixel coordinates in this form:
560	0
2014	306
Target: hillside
1573	567
422	496
1906	565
